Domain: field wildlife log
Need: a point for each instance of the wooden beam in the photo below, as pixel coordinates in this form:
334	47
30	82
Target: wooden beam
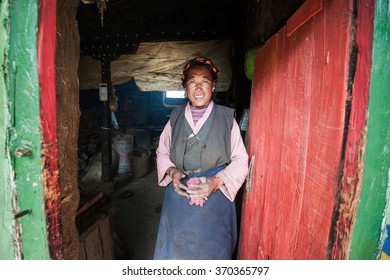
106	124
115	44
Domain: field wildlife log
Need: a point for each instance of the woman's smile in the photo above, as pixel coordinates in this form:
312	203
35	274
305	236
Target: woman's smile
199	86
199	96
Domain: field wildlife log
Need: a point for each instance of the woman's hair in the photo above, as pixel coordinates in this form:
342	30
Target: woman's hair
200	61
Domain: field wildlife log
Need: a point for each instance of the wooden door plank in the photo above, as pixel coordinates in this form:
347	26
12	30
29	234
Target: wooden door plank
93	246
254	202
82	253
308	10
296	131
107	242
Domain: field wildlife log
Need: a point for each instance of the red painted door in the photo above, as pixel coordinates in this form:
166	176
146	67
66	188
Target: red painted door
296	128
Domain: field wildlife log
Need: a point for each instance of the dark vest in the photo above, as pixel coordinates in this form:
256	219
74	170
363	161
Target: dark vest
210	148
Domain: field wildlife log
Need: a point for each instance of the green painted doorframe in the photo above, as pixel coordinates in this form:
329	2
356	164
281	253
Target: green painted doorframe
8	229
370	218
20	131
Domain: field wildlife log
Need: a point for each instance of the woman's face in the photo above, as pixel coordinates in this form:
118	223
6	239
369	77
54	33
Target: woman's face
199	86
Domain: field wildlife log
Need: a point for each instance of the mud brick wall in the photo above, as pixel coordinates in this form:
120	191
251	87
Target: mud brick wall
67	60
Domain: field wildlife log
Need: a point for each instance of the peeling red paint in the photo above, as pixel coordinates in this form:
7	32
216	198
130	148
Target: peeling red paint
356	139
48	114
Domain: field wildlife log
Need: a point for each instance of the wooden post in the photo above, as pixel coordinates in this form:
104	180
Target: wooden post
106	124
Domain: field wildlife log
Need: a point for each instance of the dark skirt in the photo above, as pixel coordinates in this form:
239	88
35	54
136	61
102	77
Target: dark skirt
191	232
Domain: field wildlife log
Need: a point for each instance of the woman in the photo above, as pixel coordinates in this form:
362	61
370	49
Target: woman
201	140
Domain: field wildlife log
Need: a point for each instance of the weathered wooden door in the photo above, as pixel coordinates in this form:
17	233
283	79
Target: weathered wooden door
299	105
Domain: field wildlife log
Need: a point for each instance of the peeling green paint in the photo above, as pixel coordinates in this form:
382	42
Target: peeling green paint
365	243
7	224
25	132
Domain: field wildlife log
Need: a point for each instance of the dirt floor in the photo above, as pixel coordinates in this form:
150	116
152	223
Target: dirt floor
136	220
137	204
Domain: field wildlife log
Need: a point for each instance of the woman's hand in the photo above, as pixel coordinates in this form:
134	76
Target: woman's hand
176	176
204	189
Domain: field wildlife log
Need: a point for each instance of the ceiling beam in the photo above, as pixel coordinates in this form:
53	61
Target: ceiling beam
116	44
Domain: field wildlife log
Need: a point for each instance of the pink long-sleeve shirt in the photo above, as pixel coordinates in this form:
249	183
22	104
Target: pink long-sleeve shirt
233	175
